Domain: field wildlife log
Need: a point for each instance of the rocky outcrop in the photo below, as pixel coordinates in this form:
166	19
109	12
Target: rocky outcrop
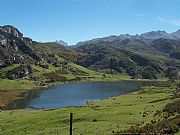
12	30
13	49
19	44
20	72
27	41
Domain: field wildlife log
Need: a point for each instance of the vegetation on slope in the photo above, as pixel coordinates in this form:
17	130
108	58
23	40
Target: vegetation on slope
146	59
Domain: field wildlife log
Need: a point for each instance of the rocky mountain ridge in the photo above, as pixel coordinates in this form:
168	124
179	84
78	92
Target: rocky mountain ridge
126	38
12	48
149	55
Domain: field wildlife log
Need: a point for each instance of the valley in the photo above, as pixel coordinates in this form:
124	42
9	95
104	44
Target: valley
27	65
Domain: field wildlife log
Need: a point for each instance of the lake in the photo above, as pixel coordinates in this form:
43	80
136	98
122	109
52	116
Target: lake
75	94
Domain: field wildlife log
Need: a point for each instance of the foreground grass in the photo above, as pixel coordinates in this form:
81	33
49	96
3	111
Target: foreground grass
104	117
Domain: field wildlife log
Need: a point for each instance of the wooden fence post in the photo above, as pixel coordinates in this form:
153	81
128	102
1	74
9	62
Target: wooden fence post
71	119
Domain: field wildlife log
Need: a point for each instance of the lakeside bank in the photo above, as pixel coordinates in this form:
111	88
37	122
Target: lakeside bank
104	117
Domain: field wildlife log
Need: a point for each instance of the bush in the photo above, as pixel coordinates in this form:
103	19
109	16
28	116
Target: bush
173	73
172	108
162	127
148	73
54	77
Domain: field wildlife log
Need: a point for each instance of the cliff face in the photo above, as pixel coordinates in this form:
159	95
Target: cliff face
12	30
13	49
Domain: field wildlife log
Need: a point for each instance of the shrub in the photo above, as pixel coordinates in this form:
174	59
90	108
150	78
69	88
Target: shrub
54	77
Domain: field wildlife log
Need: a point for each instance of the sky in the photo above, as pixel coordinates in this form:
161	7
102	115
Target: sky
80	20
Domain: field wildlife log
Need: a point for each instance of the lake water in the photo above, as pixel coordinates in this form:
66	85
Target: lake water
75	94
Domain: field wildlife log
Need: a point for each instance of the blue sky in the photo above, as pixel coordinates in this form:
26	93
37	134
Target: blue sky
79	20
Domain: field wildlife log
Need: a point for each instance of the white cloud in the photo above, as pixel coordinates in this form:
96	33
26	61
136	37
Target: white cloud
170	21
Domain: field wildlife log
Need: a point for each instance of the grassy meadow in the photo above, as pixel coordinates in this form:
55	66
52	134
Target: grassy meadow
103	118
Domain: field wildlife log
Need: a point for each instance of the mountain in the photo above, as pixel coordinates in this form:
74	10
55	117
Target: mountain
12	48
150	55
155	35
11	30
17	49
176	35
123	38
61	42
134	39
42	63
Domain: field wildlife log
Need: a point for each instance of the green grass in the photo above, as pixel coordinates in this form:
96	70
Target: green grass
81	68
9	85
102	118
59	59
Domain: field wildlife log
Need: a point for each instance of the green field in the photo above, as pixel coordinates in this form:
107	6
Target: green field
10	85
104	117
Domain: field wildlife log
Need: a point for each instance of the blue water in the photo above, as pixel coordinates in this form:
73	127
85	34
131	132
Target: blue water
76	94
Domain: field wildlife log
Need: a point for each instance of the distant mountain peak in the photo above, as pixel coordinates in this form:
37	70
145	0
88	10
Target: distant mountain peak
155	34
133	39
61	42
176	35
178	30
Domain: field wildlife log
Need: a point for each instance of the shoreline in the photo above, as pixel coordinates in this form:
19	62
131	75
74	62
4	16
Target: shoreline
20	93
119	113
